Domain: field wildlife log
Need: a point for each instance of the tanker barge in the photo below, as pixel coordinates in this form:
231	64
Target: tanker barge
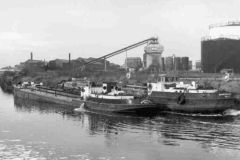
189	98
108	98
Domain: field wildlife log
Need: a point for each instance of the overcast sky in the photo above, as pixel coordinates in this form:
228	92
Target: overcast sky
91	28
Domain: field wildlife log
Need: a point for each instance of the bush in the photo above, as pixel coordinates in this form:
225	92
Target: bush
8	73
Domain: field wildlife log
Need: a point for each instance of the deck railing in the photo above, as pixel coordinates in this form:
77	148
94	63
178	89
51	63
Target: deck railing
53	91
208	38
229	23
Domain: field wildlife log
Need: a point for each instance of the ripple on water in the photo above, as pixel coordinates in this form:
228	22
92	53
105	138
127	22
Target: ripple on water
147	135
18	152
82	156
194	115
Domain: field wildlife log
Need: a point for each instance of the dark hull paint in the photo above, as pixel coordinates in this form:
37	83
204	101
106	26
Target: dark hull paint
43	97
194	102
119	105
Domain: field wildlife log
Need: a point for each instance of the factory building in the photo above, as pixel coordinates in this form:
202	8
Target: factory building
133	63
221	49
57	64
32	65
152	56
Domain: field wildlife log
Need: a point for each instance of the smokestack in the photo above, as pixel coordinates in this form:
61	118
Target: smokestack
31	56
69	59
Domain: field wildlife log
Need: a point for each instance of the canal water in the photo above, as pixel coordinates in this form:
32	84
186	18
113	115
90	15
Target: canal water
31	130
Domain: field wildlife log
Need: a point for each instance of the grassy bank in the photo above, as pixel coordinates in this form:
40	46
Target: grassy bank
51	78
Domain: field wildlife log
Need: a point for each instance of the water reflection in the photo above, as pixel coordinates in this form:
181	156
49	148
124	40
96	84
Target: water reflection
212	132
95	121
128	134
26	105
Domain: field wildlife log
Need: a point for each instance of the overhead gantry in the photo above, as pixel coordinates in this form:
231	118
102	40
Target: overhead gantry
155	39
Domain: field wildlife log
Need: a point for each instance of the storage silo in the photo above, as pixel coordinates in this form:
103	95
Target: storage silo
198	65
176	63
190	65
168	63
163	65
181	65
185	62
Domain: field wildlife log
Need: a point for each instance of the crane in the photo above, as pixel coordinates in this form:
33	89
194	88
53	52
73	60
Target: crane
155	39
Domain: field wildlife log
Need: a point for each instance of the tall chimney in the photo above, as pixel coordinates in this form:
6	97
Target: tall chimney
69	59
31	56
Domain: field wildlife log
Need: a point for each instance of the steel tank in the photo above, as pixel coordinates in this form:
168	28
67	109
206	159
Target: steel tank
220	54
162	64
168	63
185	63
176	63
181	66
190	65
221	49
198	65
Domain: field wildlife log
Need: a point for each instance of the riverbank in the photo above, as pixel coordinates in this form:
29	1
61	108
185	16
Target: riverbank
51	78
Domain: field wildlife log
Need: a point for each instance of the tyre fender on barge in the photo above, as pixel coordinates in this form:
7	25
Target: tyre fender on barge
180	97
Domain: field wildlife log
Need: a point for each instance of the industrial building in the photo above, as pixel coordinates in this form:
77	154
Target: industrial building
81	61
152	56
98	65
58	64
32	65
221	49
133	62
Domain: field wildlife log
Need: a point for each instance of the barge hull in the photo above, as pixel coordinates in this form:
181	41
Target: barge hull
46	97
194	103
108	105
120	105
